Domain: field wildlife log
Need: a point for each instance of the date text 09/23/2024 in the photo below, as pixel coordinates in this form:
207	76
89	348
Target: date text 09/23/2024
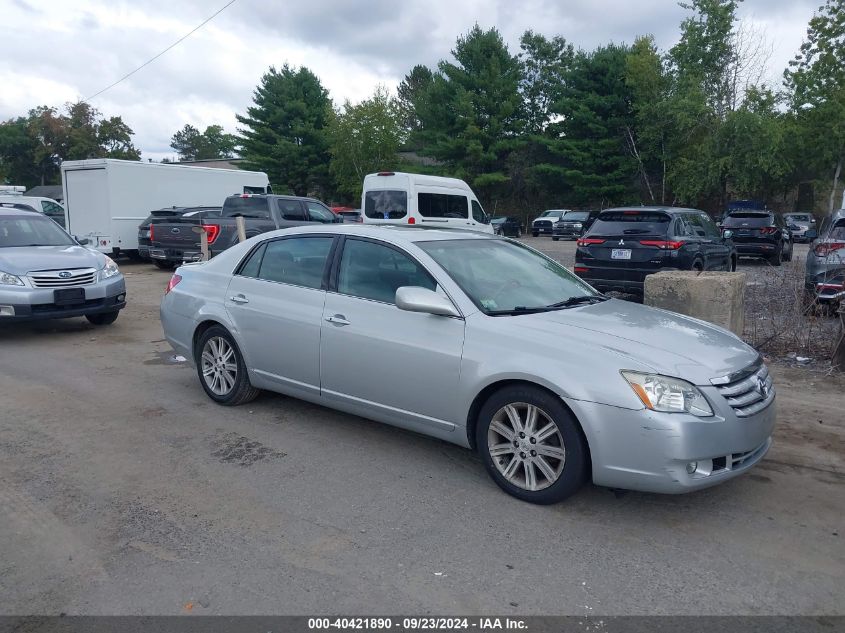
416	624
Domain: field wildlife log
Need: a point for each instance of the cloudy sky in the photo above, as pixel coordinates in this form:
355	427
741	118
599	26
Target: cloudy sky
54	51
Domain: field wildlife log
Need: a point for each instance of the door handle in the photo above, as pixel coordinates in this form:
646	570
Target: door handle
337	319
239	299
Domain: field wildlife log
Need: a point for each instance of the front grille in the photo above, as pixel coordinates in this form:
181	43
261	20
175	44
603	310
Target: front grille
63	278
749	391
543	223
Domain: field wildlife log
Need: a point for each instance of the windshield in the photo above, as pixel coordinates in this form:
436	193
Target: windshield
548	214
503	275
498	220
34	231
631	222
797	217
577	216
747	219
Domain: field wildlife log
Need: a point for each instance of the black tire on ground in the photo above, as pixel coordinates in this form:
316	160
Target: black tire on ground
555	239
788	256
732	265
242	391
574	472
164	265
777	258
698	266
534	234
104	318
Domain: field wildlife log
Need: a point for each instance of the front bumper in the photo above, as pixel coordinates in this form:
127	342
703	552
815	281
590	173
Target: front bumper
649	451
36	304
543	229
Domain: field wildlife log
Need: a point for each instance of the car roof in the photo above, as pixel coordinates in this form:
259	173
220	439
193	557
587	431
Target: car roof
389	233
12	212
670	210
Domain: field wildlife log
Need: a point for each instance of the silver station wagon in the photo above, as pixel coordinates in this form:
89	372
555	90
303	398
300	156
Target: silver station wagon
480	341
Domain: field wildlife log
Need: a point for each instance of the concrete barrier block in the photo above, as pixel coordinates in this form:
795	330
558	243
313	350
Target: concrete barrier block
717	297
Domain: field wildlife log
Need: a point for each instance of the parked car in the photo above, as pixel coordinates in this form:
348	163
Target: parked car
174	240
759	234
551	382
573	224
825	271
48	207
401	198
509	226
47	274
162	215
799	224
624	246
545	223
352	216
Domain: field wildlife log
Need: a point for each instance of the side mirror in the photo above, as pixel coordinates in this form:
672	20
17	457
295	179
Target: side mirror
82	241
811	234
417	299
727	234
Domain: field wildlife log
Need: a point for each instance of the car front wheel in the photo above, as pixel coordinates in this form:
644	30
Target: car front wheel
531	445
104	318
221	368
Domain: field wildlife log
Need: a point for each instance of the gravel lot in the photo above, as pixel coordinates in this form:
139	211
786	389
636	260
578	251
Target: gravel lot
124	490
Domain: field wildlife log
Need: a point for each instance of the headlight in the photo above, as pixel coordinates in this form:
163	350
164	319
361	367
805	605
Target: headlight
110	269
577	225
7	279
669	395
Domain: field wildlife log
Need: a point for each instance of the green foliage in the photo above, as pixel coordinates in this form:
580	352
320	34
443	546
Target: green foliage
284	132
469	114
191	144
33	148
411	89
545	66
364	138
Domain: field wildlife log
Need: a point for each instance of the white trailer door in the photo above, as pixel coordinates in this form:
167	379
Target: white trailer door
87	204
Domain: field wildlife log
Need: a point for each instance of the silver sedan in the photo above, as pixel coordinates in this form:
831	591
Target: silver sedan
480	341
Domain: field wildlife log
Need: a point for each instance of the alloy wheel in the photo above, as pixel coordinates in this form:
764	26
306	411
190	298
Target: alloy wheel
526	446
219	365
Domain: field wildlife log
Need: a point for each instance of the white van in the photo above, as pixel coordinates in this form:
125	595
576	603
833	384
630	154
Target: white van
430	201
47	206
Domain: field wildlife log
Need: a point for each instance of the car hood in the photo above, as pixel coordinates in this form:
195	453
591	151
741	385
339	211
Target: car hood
668	343
24	259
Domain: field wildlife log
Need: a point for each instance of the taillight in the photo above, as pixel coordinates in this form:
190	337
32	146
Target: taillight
663	244
174	280
151	232
581	269
587	241
768	230
212	230
412	220
826	248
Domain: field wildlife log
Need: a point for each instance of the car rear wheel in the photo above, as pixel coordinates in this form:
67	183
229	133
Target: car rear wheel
104	318
777	258
698	267
555	238
534	234
531	445
221	368
788	255
163	265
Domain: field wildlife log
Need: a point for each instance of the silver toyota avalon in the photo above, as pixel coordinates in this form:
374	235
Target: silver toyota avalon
480	341
47	274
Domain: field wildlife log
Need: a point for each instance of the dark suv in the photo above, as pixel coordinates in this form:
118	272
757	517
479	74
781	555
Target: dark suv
574	224
623	246
759	234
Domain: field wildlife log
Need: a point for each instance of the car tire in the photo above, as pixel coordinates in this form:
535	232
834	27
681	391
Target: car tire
788	256
777	258
534	234
532	475
697	267
104	318
224	382
555	239
732	265
163	264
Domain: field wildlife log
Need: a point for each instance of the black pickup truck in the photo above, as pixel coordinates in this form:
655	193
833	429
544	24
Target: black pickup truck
174	240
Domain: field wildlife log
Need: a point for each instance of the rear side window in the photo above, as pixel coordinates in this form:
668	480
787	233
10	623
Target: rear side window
291	210
299	261
253	264
631	222
748	219
442	205
386	204
249	207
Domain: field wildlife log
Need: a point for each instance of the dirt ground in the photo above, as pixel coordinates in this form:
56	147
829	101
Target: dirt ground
124	490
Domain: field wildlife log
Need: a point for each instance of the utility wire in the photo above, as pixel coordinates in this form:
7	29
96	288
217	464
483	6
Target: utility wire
150	61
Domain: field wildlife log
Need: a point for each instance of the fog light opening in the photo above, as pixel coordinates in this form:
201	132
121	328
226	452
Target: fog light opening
121	298
700	468
692	467
7	311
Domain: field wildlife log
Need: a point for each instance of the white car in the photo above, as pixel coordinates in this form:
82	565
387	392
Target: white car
546	222
47	206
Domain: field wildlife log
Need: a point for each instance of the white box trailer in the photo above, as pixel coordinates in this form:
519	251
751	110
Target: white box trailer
106	199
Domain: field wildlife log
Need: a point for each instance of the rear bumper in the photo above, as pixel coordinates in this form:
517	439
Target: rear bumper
177	256
756	249
37	304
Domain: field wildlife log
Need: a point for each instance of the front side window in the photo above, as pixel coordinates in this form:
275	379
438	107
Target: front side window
503	275
375	271
441	205
51	208
478	213
35	231
299	261
318	213
386	204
